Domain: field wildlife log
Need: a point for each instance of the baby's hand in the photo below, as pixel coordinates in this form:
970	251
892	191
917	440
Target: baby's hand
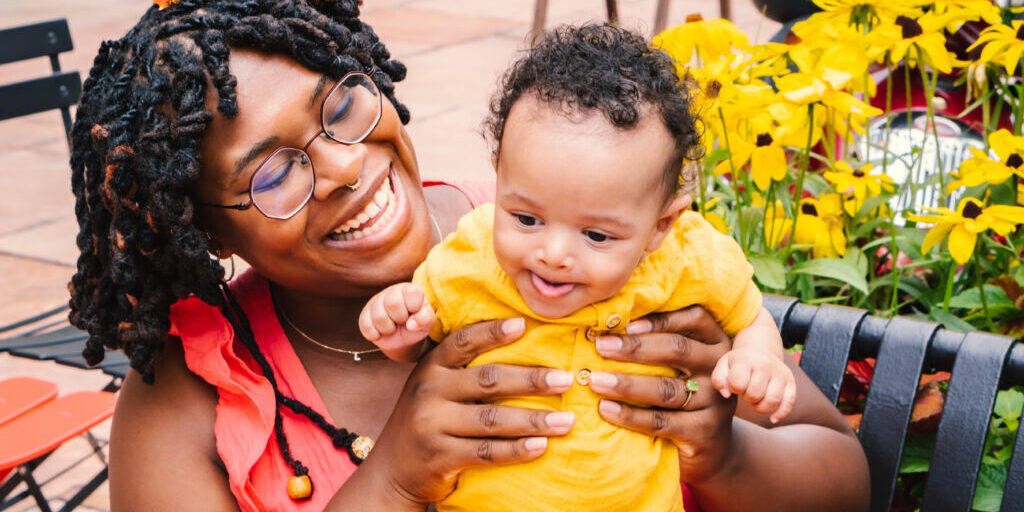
758	377
397	320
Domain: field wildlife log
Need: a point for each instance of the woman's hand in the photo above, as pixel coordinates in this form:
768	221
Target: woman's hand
439	427
691	341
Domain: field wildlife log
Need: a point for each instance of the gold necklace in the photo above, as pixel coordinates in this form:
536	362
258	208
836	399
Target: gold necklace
354	353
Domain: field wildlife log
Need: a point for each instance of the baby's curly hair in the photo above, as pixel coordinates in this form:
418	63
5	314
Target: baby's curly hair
611	70
135	152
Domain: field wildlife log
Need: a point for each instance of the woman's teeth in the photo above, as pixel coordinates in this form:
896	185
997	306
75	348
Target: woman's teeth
377	214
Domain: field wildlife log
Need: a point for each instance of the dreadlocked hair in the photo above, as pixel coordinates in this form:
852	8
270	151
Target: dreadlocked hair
135	152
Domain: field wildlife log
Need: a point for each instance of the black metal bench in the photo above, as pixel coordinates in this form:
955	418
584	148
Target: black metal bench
905	348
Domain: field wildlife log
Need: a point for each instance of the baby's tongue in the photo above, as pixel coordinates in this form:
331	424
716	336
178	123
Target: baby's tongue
549	289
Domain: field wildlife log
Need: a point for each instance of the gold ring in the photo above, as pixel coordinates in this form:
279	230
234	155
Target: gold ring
355	184
691	388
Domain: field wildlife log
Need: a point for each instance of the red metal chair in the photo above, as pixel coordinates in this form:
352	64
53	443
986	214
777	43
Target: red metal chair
34	423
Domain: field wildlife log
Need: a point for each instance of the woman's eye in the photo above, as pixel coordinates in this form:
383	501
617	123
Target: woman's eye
526	220
275	178
340	110
594	236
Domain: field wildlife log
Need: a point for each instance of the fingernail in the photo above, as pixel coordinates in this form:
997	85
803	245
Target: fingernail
774	420
609	407
608	344
558	379
536	444
726	393
513	325
412	325
639	327
603	381
560	419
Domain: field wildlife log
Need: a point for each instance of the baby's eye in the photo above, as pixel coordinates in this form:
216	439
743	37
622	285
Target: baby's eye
526	220
594	236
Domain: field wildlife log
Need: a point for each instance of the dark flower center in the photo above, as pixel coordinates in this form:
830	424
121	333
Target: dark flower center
1015	160
858	173
808	209
911	28
714	87
971	210
764	140
1020	33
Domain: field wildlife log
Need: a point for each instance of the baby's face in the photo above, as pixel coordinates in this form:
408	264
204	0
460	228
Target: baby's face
578	203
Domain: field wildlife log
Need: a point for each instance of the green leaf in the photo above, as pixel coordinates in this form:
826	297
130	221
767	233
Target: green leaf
949	320
971	298
769	271
988	495
832	268
1008	407
857	259
917	454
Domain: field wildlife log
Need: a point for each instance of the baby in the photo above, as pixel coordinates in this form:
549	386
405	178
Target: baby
588	231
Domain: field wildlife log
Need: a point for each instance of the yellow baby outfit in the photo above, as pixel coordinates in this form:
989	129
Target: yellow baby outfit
598	466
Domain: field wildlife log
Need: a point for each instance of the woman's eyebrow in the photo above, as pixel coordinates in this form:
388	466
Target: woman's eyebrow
324	79
255	151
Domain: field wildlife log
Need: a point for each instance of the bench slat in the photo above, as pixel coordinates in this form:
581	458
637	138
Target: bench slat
828	347
960	442
883	428
59	90
36	40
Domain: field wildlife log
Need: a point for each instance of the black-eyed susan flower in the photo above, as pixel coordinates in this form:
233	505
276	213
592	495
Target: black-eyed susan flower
1002	44
710	39
765	154
981	168
923	35
819	224
859	183
963	225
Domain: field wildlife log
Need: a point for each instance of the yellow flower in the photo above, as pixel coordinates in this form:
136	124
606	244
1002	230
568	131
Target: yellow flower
1002	44
923	34
980	168
962	226
713	218
766	156
711	39
859	183
956	12
820	225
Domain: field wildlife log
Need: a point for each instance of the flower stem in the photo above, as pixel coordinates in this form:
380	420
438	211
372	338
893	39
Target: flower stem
980	281
799	191
734	180
950	276
929	93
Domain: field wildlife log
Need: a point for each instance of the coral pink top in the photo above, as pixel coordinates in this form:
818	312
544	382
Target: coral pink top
244	425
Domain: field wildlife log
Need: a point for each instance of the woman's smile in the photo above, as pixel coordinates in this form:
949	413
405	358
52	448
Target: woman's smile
384	216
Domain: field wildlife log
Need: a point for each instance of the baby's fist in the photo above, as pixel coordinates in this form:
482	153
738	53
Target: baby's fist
759	378
397	320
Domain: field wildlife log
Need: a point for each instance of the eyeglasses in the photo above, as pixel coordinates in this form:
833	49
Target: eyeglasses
284	181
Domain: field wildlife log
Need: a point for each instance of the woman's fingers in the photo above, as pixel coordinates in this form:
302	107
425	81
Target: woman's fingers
693	322
481	452
662	349
463	345
661	392
497	380
486	420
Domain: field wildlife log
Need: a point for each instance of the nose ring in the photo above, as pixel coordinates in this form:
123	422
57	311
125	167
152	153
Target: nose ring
355	184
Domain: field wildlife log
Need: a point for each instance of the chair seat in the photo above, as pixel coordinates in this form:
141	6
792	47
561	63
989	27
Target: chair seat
46	427
19	395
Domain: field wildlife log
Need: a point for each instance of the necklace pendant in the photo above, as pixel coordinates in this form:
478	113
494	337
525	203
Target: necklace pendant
355	356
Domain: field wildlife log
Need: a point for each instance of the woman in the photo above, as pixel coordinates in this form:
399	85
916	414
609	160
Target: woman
198	133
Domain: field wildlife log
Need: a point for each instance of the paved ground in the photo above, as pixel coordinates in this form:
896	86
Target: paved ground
454	49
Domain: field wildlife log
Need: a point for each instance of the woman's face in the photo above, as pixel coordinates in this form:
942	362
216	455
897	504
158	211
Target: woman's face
279	105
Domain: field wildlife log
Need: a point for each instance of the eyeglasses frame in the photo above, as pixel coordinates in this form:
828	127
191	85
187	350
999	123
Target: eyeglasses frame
323	131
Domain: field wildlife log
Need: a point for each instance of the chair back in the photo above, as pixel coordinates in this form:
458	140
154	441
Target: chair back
904	348
58	90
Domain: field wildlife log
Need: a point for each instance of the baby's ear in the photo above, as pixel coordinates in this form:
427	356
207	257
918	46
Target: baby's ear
667	219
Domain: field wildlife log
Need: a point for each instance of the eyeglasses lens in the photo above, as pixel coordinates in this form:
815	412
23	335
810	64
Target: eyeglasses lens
352	110
281	186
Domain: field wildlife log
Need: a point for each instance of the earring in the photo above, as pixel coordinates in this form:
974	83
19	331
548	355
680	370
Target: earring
355	184
232	276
